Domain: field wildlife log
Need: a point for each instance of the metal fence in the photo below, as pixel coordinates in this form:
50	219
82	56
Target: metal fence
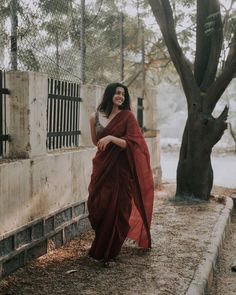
63	112
4	137
140	111
91	42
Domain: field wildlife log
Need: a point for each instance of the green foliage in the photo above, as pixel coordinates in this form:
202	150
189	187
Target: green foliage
53	7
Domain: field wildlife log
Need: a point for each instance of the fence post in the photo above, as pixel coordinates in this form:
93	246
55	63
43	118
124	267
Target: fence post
27	113
140	111
91	96
150	111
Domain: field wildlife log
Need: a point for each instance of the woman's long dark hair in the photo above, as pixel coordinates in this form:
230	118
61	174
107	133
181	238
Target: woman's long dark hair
107	104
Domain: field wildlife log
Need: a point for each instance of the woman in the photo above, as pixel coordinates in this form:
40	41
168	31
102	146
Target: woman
121	189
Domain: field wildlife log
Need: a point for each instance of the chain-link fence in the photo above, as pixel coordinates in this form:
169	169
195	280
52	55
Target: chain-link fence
70	41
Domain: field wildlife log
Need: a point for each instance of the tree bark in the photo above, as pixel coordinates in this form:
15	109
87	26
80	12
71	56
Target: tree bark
208	46
194	172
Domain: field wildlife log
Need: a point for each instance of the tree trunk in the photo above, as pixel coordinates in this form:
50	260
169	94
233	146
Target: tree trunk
194	172
203	89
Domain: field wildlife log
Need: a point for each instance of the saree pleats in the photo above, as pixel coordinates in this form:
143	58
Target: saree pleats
121	190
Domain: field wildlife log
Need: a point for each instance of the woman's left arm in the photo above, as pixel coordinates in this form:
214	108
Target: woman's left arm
103	142
119	141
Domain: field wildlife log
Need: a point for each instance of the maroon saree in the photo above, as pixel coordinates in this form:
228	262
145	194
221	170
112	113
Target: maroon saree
121	190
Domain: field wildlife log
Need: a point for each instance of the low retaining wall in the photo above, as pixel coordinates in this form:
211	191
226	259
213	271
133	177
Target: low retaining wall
36	238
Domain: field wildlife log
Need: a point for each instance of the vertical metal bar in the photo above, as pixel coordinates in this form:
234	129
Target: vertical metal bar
68	115
54	113
5	111
1	119
71	117
71	114
65	113
73	110
74	104
58	111
47	140
140	112
76	114
51	114
62	113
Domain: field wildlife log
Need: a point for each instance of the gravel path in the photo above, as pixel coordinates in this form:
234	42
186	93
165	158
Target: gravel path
180	235
225	280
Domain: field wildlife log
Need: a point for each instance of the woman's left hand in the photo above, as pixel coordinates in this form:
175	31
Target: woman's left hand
103	142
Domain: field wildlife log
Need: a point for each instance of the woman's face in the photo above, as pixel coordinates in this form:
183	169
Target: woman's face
119	96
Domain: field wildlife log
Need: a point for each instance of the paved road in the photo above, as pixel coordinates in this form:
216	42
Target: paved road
224	167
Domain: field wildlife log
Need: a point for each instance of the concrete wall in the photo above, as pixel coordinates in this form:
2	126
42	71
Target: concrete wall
43	194
34	188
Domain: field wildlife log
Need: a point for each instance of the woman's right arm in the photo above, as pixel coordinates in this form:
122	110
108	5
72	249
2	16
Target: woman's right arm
93	128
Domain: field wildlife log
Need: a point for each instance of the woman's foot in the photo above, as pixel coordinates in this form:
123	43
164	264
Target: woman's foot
93	259
109	263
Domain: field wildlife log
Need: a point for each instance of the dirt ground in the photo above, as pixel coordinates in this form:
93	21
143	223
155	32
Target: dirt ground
180	234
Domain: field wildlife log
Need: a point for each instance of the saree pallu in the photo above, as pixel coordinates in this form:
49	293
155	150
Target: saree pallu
121	190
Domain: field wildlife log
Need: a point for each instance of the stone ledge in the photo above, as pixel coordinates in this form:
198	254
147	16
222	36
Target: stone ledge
204	274
233	196
45	219
33	239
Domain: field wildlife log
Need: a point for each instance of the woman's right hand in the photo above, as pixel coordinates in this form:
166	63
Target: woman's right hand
103	142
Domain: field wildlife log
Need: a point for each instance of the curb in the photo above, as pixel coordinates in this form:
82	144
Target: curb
203	276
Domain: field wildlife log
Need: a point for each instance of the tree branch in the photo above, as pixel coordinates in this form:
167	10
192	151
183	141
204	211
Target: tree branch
232	51
209	44
202	47
218	87
163	14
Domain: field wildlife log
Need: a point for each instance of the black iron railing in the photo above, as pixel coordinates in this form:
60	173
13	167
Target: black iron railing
140	112
63	112
4	137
